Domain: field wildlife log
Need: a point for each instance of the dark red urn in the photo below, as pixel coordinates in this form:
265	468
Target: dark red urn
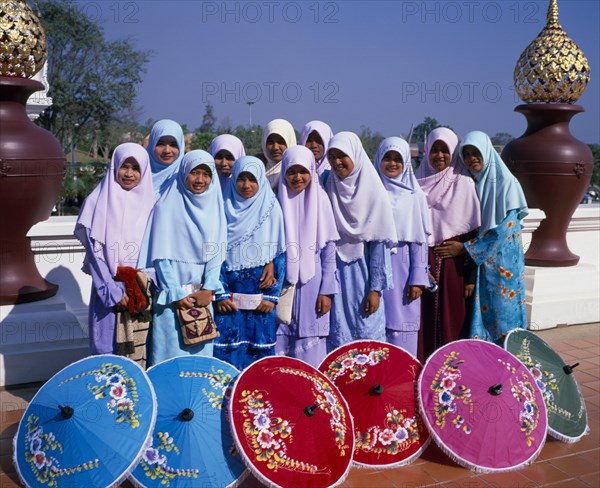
554	169
32	166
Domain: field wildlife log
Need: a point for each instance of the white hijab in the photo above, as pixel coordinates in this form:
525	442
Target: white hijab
284	129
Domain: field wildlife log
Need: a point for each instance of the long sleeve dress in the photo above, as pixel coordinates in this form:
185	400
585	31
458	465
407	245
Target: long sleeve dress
247	335
403	317
105	294
499	304
305	336
357	279
165	338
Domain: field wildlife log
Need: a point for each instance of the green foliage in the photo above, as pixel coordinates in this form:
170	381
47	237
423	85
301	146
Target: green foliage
420	131
502	138
201	140
92	81
78	183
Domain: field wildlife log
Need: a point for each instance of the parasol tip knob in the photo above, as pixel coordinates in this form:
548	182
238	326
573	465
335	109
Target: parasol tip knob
66	412
568	369
187	414
311	410
495	389
377	389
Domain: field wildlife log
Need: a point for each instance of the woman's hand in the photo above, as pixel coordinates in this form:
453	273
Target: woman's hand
414	292
185	303
469	290
449	249
123	302
372	302
202	298
323	305
226	306
265	306
267	278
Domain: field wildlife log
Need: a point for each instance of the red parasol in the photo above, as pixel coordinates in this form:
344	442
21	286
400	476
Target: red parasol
379	382
291	424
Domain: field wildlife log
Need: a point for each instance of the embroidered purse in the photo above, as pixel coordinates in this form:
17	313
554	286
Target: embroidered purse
197	325
283	311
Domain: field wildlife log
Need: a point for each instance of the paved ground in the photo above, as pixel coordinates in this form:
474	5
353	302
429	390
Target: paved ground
559	464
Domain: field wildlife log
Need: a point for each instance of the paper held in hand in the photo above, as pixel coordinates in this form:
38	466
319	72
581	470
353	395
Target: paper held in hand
245	301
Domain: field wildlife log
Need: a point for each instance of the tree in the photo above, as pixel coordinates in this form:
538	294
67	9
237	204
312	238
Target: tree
502	139
209	119
92	81
370	140
424	128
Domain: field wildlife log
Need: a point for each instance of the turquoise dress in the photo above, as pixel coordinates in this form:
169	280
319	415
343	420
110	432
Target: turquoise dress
499	298
166	341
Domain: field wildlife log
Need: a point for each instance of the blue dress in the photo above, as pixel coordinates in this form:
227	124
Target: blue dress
166	341
348	321
499	298
247	335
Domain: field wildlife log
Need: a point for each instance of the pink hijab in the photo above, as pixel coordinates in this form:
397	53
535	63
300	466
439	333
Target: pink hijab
451	194
308	217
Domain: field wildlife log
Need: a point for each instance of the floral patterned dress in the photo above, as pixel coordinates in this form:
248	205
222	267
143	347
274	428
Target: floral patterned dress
499	304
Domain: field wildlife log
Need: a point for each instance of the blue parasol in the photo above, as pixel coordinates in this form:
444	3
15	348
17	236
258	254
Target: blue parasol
87	426
192	444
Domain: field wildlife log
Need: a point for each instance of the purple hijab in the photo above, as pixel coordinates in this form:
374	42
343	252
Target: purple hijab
116	218
308	217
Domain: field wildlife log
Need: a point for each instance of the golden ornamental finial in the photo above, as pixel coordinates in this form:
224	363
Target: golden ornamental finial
552	68
552	17
23	49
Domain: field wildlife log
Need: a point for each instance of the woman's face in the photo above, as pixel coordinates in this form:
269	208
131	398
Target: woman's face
340	162
129	174
166	150
246	185
297	178
198	180
224	162
392	164
276	145
472	158
315	144
440	156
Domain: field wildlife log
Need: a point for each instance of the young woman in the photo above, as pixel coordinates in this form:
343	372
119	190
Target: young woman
455	216
316	136
365	222
182	243
225	148
310	234
111	226
277	136
499	296
166	147
255	238
409	256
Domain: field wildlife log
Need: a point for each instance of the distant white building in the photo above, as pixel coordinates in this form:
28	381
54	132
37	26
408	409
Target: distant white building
39	101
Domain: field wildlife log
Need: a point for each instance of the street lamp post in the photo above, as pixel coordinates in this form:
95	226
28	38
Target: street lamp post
250	111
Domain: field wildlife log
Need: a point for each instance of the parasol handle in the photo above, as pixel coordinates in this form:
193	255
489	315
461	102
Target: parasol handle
377	389
66	412
495	389
311	410
187	414
569	369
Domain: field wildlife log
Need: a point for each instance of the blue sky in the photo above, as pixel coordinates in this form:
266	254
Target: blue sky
381	64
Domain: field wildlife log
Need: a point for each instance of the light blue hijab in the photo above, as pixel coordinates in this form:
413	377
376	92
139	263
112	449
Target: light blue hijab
255	229
186	227
163	174
497	188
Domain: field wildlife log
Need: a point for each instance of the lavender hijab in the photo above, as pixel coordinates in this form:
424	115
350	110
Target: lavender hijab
308	217
229	143
325	133
451	194
255	229
361	206
187	227
163	174
116	218
411	214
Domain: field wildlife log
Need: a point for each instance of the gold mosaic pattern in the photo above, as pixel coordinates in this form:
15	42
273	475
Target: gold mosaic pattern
552	68
22	40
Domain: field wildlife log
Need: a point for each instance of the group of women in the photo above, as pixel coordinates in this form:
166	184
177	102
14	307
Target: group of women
366	250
